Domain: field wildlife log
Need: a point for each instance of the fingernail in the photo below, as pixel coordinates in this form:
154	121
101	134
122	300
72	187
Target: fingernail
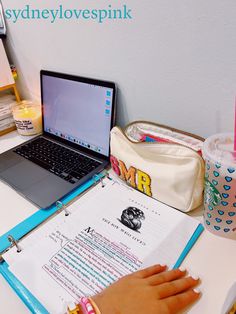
181	268
197	291
163	265
195	277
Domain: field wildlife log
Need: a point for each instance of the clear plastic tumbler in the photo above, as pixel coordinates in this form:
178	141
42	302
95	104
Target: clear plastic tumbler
220	185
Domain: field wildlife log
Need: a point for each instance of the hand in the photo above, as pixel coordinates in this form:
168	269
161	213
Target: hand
152	290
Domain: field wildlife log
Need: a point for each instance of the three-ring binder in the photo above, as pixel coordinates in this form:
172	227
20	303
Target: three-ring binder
11	238
14	243
96	178
26	226
62	206
8	271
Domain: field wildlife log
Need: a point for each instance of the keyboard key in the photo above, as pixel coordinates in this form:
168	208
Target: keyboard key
39	163
73	181
65	163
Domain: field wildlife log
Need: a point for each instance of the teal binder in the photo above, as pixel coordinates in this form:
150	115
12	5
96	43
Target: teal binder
37	308
23	228
25	295
30	223
33	221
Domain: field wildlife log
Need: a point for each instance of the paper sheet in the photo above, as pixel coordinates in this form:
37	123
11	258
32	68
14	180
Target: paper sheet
83	253
6	77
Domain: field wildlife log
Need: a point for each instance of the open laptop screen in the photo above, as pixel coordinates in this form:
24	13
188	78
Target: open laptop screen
78	110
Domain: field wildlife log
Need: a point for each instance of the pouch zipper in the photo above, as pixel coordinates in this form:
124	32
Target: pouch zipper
163	126
168	128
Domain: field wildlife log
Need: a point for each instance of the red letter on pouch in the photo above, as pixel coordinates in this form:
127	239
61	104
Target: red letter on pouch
115	165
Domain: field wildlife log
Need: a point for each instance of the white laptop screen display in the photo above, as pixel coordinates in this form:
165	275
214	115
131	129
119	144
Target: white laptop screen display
78	112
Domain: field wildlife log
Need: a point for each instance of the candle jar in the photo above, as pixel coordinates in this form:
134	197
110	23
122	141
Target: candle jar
28	117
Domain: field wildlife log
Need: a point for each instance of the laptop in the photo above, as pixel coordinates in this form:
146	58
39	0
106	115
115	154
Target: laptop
78	114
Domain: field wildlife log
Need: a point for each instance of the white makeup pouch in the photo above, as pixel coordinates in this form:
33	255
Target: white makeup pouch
160	161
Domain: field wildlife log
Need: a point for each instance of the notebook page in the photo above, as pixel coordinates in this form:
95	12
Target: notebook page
83	253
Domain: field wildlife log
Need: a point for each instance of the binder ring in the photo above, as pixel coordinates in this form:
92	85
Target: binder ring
60	205
107	174
96	178
14	243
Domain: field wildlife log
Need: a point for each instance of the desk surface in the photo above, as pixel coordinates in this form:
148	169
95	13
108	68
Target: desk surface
212	258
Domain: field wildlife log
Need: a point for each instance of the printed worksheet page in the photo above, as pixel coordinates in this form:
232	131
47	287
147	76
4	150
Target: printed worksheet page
109	233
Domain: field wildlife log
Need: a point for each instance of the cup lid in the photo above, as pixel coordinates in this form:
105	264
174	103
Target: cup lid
220	149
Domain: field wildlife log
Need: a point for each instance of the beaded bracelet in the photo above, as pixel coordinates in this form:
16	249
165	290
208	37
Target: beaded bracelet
87	306
97	311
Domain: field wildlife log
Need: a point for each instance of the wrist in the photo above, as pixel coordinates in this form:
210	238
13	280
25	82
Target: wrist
104	306
95	306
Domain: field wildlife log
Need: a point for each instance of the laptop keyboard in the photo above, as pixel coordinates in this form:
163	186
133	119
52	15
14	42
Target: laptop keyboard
65	163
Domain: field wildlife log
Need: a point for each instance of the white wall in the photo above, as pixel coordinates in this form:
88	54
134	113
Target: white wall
174	63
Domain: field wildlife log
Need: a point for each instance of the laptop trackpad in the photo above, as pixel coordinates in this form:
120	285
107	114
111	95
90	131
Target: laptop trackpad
48	191
23	175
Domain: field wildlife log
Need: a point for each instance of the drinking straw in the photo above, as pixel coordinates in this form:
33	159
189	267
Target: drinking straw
234	153
235	127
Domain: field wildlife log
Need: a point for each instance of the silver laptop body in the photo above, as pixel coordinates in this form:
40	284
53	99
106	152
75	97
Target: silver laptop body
78	114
